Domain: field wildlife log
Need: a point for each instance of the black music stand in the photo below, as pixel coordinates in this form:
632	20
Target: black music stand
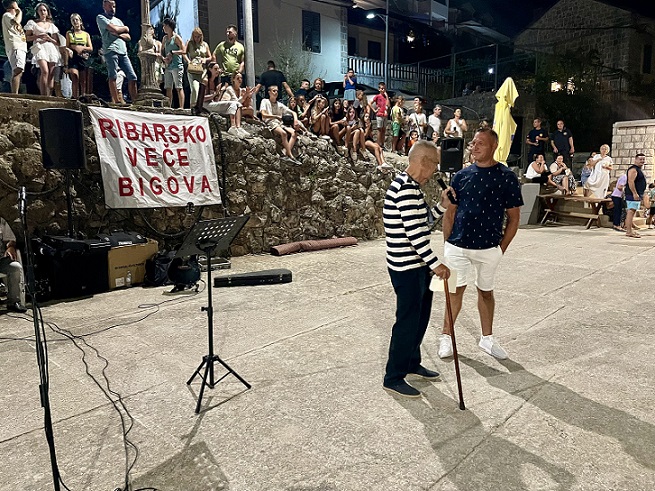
206	237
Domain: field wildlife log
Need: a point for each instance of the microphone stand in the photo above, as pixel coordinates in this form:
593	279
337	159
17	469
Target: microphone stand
41	344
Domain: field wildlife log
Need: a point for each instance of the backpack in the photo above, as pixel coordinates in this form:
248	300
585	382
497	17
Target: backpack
157	269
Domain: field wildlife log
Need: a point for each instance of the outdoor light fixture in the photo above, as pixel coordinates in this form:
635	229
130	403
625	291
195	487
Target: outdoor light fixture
555	86
490	70
410	36
385	18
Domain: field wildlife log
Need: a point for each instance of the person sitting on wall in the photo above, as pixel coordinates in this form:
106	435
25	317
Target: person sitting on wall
559	177
10	265
274	114
218	99
537	171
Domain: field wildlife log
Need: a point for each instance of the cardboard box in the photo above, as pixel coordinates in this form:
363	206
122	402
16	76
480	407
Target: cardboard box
130	258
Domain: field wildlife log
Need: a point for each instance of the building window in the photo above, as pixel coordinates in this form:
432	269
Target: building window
374	50
311	31
241	23
647	60
352	46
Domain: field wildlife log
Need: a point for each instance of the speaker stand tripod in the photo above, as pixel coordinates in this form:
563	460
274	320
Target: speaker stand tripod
206	237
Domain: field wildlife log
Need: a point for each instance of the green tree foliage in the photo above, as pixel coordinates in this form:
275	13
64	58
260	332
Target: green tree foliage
580	102
292	60
167	9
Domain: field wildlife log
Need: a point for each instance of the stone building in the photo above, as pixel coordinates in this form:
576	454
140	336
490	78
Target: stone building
624	48
630	138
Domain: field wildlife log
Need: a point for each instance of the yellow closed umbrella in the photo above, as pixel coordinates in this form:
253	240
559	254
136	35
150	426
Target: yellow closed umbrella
504	124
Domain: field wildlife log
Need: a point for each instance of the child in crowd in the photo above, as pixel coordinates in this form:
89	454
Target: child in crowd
293	105
586	172
413	138
349	85
338	122
397	121
382	103
319	120
353	138
372	146
651	202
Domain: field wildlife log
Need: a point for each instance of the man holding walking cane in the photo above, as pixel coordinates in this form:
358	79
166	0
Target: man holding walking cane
411	263
474	235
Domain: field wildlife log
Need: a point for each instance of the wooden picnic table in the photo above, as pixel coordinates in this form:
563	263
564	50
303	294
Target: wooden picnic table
553	203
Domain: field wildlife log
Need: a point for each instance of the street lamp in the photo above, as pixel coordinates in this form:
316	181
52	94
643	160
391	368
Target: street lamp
385	18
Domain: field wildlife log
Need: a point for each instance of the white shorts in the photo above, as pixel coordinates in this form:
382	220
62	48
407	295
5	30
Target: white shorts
380	122
485	262
17	59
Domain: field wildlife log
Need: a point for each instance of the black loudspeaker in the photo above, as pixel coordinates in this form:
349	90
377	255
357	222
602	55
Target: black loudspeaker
452	154
69	268
62	141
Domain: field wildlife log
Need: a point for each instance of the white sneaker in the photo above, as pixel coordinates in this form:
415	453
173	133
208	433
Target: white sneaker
233	130
491	346
445	346
243	133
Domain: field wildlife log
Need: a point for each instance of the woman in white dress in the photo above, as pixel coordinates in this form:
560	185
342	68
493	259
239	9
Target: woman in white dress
599	180
45	46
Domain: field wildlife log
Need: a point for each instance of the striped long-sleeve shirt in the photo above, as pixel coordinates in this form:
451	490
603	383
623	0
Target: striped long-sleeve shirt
405	219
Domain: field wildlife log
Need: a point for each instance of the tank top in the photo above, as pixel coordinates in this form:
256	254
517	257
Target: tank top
77	38
176	62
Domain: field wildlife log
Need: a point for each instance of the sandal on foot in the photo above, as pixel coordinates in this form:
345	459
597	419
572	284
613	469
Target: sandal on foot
634	235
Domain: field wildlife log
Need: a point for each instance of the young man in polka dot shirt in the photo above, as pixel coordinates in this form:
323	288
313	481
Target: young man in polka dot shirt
474	235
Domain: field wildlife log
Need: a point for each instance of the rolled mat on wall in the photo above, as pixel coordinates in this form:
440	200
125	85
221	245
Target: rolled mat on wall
312	245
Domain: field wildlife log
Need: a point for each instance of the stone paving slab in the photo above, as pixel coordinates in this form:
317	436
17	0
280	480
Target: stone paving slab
570	410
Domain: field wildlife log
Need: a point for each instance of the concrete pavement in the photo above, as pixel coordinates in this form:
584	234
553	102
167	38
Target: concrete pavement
570	410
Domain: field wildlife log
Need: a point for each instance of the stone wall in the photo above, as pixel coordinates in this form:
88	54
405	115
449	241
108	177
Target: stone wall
327	196
565	23
630	138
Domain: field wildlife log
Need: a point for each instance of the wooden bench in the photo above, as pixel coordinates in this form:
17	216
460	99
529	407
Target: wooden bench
554	201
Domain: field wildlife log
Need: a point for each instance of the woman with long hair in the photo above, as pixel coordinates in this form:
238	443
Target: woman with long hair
353	133
222	99
197	53
45	46
337	122
79	42
243	95
319	119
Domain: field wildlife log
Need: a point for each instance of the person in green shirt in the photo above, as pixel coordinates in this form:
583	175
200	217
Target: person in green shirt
229	54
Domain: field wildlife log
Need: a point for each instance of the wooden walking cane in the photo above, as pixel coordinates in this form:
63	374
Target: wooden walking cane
449	311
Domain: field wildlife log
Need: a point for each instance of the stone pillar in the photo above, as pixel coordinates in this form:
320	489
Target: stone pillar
630	138
150	58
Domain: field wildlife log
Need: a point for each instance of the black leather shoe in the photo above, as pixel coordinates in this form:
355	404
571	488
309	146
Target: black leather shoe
17	307
403	389
426	374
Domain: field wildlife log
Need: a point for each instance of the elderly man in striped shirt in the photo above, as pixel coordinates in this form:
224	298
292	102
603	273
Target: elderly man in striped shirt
411	263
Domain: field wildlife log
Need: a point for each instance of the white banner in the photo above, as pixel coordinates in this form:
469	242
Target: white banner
153	160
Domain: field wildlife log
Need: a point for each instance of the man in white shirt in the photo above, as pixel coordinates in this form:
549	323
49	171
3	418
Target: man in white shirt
417	120
15	43
434	121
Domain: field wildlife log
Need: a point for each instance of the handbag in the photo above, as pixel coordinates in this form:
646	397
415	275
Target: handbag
195	68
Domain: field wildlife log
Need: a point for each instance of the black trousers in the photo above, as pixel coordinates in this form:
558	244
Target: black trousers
413	307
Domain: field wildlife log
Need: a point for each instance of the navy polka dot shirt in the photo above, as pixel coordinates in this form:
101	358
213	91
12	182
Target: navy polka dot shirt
483	195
